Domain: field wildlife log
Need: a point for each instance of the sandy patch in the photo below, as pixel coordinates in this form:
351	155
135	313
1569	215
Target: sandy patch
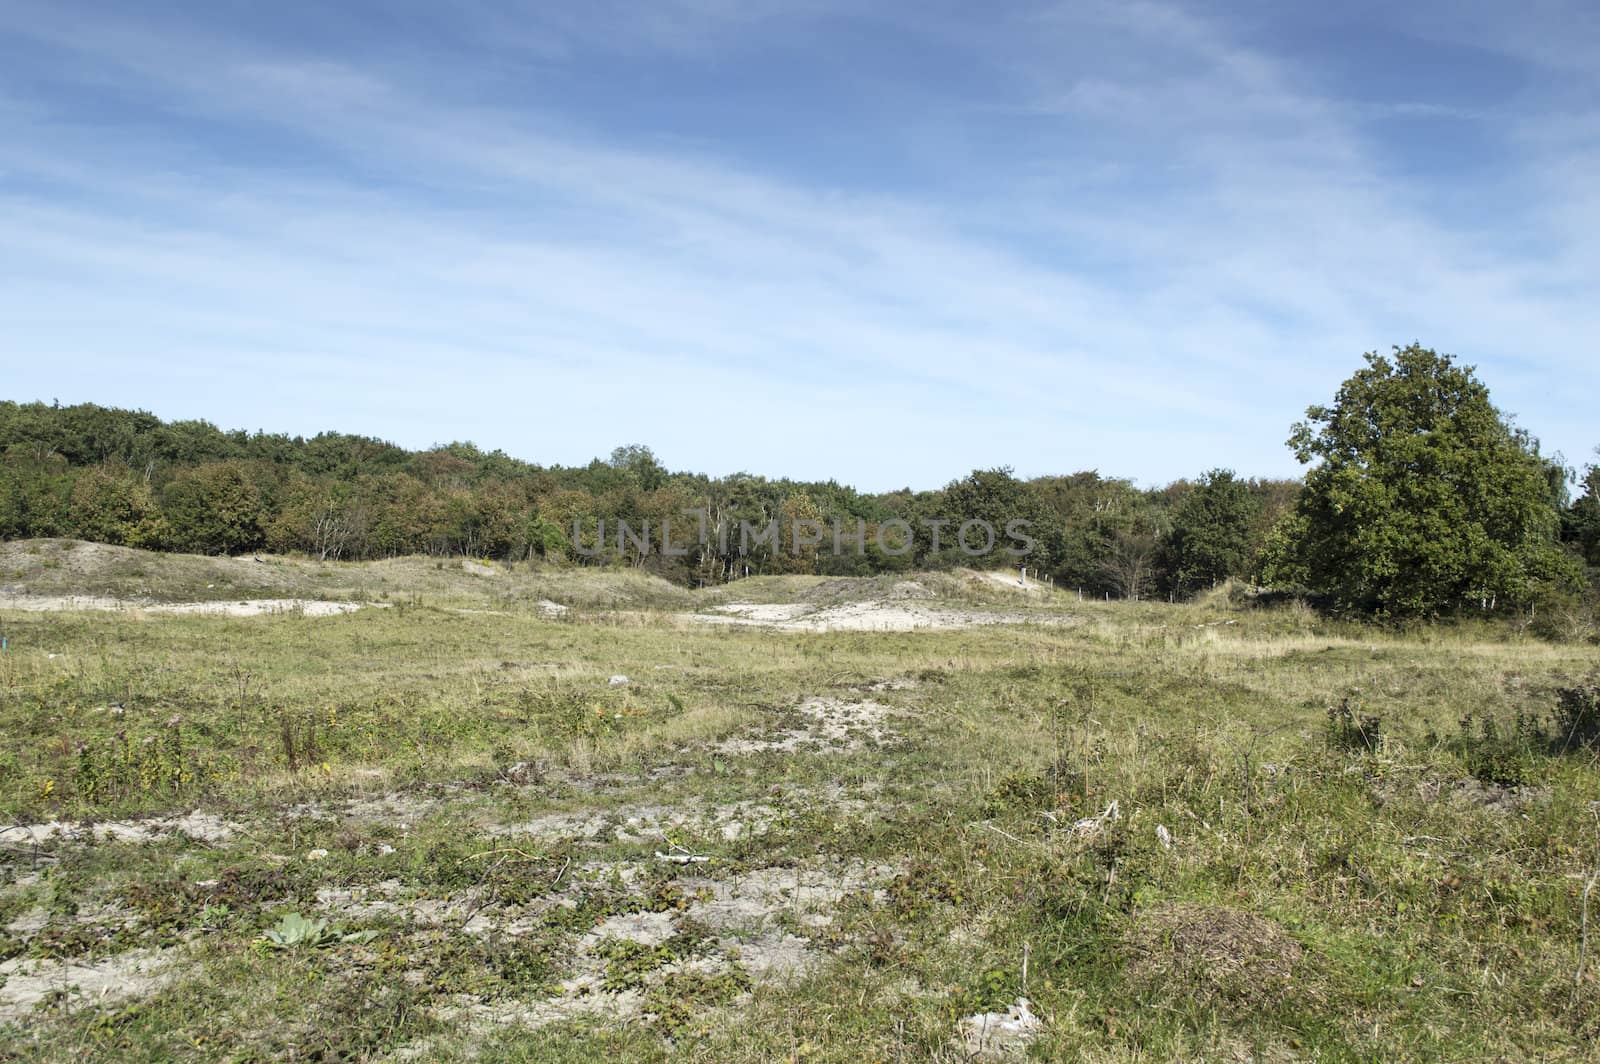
26	983
649	824
495	1016
468	912
894	684
752	915
581	993
765	612
395	808
775	957
240	608
754	900
871	616
30	923
832	725
1011	580
202	827
646	929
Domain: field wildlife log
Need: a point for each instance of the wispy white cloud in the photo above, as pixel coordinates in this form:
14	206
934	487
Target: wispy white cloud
321	241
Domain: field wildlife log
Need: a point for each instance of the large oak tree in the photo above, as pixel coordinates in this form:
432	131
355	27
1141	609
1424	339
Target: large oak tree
1422	499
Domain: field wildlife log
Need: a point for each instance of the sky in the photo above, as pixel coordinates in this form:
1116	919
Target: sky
882	243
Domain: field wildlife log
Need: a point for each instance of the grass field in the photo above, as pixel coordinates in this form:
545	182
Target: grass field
443	826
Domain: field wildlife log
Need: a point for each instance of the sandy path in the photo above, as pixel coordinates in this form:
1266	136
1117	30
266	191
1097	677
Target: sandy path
868	617
231	608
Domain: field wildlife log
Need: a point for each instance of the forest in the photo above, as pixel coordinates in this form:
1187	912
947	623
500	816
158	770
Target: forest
1392	519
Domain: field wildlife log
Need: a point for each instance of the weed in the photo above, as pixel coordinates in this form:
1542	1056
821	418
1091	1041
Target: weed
1060	787
1205	954
629	963
569	714
161	763
1577	716
923	886
294	931
1346	729
1505	757
681	999
297	735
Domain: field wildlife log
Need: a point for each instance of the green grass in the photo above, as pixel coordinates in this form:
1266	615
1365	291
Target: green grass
491	810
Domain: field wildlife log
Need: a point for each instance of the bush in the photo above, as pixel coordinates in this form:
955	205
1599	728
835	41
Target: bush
1505	758
1349	731
1577	716
213	509
1567	617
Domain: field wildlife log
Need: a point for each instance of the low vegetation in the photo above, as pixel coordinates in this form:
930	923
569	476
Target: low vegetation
458	823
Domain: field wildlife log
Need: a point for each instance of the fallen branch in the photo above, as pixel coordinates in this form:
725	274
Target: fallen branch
1091	824
524	854
683	856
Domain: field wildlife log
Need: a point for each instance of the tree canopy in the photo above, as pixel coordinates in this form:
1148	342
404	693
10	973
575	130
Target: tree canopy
1581	524
1211	533
1422	499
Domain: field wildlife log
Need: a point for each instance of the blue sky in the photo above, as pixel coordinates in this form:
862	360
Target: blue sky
885	243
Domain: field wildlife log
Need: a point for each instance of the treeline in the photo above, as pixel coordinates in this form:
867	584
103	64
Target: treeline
1420	500
128	478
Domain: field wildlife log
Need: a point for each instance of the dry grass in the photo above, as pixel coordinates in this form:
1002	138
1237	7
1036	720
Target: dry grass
482	798
1209	954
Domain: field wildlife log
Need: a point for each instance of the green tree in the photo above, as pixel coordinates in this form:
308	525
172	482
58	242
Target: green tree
639	463
1129	563
110	505
319	517
1423	500
37	484
1211	532
1098	532
213	509
546	539
997	498
1581	522
799	522
13	513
